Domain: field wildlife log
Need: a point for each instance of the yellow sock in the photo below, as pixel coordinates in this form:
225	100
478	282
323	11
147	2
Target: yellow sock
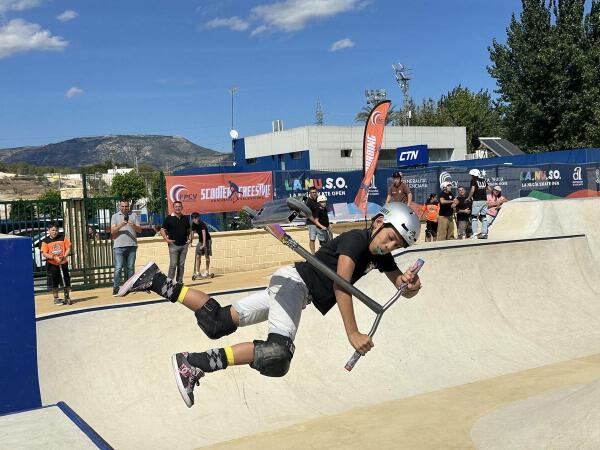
229	354
182	294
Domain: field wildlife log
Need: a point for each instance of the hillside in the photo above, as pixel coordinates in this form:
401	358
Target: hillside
162	152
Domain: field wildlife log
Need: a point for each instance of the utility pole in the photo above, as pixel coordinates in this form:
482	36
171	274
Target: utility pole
233	132
233	91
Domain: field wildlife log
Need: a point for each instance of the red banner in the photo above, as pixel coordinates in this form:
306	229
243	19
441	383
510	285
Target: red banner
371	146
219	192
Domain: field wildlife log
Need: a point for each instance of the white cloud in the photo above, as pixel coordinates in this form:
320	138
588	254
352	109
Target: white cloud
341	44
74	92
293	15
258	30
18	5
69	14
234	23
19	36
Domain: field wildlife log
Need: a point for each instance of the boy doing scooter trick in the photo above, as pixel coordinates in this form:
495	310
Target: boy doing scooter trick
351	255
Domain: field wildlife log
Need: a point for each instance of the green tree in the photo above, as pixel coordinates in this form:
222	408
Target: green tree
129	185
50	205
157	198
473	110
547	75
22	210
363	115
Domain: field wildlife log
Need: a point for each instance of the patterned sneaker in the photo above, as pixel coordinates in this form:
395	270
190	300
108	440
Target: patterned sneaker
186	376
139	281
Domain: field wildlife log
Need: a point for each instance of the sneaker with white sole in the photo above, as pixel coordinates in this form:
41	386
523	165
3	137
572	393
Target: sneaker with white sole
58	301
186	376
140	281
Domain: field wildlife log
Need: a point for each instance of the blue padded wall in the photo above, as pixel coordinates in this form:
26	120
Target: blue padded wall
19	387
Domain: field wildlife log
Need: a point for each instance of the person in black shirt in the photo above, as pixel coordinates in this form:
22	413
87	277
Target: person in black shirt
478	194
313	222
324	233
176	232
351	254
463	213
204	246
446	215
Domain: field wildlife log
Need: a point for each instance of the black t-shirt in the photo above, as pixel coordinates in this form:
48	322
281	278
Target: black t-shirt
177	228
463	204
446	208
198	227
323	217
314	208
354	244
480	186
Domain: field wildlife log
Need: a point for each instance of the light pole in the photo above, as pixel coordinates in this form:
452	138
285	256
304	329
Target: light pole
233	133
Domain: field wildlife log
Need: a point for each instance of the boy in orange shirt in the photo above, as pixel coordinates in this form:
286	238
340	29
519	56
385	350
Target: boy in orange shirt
56	248
431	210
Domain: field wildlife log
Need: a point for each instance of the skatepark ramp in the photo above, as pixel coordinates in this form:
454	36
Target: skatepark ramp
487	309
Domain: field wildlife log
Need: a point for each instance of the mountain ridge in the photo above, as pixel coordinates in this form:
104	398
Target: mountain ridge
160	151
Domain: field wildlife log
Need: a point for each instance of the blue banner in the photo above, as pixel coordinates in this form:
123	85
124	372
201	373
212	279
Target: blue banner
415	155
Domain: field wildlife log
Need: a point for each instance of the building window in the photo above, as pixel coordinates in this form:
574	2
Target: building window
251	161
296	155
346	153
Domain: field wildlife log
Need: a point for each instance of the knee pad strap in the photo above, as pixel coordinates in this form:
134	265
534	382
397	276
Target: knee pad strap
215	320
273	357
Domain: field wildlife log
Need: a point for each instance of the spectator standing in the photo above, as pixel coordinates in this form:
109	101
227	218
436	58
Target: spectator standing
477	194
495	200
399	190
431	211
446	215
56	248
124	226
324	233
313	221
204	246
463	213
176	231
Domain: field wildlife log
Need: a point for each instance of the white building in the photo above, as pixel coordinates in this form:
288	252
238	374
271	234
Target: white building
341	147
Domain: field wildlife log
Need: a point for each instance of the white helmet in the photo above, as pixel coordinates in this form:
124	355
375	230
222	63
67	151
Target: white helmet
403	219
321	198
475	173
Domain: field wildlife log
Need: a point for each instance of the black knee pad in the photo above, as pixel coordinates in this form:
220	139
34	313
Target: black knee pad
215	320
273	357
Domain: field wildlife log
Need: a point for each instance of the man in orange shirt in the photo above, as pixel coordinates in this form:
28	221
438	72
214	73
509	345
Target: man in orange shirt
56	248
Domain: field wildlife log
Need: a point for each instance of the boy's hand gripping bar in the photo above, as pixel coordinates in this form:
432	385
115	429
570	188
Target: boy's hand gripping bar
401	290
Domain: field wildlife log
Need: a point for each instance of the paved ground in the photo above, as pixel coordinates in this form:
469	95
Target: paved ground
503	334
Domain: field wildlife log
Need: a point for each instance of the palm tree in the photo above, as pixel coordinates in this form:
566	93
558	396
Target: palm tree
364	113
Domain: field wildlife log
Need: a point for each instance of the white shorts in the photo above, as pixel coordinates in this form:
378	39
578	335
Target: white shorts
281	303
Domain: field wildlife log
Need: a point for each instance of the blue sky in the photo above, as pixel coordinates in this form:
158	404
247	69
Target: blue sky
86	68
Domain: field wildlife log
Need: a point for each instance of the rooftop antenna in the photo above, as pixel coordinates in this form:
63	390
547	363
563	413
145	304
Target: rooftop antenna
403	76
319	114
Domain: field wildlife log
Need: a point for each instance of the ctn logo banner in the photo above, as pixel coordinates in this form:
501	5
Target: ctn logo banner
220	192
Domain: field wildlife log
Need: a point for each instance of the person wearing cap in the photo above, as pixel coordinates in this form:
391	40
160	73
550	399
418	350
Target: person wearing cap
448	201
399	190
478	195
324	234
495	199
351	255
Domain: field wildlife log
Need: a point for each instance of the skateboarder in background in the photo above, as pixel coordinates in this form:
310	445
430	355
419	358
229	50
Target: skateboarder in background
352	254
